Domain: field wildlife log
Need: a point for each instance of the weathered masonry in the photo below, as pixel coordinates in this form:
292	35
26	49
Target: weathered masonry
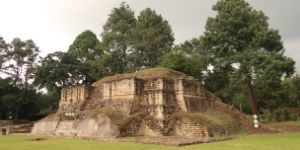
152	102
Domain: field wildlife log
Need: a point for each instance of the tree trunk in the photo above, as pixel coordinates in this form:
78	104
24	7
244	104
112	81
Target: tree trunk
251	97
124	68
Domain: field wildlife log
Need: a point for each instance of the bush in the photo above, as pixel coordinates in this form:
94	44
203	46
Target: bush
282	114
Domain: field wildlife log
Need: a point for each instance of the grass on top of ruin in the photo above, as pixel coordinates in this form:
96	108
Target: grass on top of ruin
283	141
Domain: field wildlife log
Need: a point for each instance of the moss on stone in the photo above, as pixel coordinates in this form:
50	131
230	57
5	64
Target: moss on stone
208	118
117	117
145	74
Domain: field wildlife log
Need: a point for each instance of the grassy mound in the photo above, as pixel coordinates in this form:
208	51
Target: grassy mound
146	73
117	117
208	118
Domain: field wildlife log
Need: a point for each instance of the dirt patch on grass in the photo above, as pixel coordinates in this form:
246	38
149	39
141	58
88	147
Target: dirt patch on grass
37	139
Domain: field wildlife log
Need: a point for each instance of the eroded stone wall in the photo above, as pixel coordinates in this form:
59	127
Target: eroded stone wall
72	98
122	95
194	96
119	90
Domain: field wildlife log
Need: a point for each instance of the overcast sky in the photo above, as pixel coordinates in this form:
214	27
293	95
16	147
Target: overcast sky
54	24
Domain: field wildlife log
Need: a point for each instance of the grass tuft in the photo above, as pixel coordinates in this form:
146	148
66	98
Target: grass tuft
117	117
208	118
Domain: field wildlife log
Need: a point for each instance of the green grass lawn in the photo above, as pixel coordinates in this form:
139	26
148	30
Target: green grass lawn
288	141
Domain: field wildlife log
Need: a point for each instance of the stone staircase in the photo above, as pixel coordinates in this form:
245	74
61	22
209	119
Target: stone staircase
153	124
131	129
194	129
169	129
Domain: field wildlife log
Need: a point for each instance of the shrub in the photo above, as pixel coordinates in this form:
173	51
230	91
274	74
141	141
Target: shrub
282	114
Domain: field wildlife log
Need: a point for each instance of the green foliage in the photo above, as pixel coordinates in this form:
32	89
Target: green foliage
208	118
85	47
20	62
18	96
50	73
75	67
240	101
239	38
3	52
194	65
190	47
278	115
153	37
282	114
294	91
127	39
13	102
117	37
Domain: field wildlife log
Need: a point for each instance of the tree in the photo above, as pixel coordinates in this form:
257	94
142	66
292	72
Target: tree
22	61
3	52
85	47
153	38
117	37
19	66
239	37
9	97
195	65
190	47
294	84
51	72
60	69
296	89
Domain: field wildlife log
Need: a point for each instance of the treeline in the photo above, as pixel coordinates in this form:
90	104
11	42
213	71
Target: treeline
238	57
19	98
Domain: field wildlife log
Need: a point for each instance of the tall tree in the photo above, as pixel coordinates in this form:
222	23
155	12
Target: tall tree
153	38
74	67
240	38
190	47
85	47
194	65
117	37
295	94
51	73
22	61
3	52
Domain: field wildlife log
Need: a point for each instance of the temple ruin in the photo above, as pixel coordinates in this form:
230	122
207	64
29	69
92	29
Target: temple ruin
152	102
